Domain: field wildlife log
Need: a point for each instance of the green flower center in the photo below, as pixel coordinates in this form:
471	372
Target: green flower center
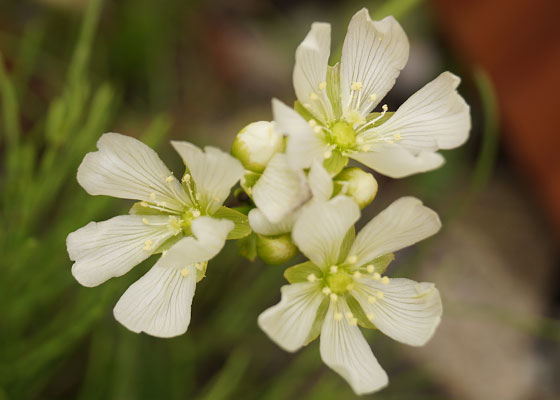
343	135
338	281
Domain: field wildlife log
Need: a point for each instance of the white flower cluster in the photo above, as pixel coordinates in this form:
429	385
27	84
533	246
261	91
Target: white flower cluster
303	197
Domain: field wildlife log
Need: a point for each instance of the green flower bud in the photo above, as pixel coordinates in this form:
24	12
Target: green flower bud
255	145
275	249
356	183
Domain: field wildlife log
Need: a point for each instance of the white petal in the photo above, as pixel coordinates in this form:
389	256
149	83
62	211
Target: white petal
103	250
397	162
321	228
344	349
320	182
213	171
405	222
310	71
159	303
303	146
289	322
126	168
261	225
280	189
435	117
373	54
209	237
408	312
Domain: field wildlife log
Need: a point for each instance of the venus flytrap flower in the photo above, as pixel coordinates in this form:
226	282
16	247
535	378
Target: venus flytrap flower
342	287
337	101
186	222
255	145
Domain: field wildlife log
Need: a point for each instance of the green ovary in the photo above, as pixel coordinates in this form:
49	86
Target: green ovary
343	135
339	281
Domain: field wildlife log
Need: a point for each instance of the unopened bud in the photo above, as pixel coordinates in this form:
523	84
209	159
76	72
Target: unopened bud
275	249
255	145
356	183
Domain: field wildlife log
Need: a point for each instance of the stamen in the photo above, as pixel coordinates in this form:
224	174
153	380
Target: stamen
353	321
169	179
311	278
317	129
334	297
376	276
372	97
164	253
352	259
196	213
385	280
145	221
397	136
185	272
148	245
322	85
327	154
370	316
370	268
338	316
326	291
312	123
186	178
356	86
371	299
357	274
313	96
349	315
380	294
333	269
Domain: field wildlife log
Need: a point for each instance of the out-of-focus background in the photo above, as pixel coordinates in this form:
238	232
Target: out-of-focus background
201	70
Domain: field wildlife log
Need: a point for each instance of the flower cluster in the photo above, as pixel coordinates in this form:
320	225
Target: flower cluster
302	197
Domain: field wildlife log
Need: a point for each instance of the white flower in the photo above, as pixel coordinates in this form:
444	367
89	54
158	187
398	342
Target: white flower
337	102
341	287
185	221
255	145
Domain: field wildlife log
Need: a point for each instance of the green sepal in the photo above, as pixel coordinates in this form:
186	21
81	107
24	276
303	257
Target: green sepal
318	322
139	209
358	312
241	221
277	249
381	121
248	181
346	245
304	112
248	247
168	243
300	272
335	163
381	263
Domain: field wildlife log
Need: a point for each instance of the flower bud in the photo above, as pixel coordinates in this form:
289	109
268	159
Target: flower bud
275	249
356	183
255	145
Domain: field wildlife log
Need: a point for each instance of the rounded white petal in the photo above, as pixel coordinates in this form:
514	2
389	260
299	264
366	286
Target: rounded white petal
261	225
344	349
405	222
303	145
408	312
395	161
213	171
320	182
435	117
321	228
280	189
310	71
255	145
103	250
373	55
289	322
209	237
125	167
159	303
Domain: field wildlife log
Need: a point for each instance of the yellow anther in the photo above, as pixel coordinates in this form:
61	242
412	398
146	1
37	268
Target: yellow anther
370	268
199	266
311	278
370	316
313	96
169	179
352	259
148	245
397	136
353	321
326	291
384	107
349	315
371	299
185	272
333	269
334	297
338	316
372	97
152	196
356	86
376	276
145	221
312	123
350	286
186	178
380	38
196	213
357	274
317	129
327	154
379	295
322	85
385	280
